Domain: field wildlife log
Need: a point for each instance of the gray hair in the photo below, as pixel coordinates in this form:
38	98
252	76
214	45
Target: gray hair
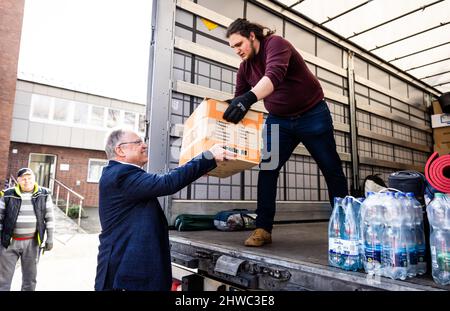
111	143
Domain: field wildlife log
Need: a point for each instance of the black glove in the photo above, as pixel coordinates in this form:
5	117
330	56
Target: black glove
239	107
48	246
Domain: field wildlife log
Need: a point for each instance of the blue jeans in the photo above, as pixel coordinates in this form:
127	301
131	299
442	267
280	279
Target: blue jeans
314	129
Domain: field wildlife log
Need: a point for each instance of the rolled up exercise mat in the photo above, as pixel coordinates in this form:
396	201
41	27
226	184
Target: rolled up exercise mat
437	172
407	181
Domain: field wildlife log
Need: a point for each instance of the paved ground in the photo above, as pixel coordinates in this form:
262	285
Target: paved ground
91	224
71	265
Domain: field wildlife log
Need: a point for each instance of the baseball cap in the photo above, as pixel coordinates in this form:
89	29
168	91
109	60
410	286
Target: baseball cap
23	171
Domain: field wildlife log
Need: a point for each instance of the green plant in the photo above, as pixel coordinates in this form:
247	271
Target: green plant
73	211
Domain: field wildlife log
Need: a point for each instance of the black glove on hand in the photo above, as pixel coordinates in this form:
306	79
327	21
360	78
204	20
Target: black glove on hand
48	246
239	107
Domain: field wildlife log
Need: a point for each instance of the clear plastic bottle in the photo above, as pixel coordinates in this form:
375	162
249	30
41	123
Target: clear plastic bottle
357	207
350	237
373	227
335	245
419	233
367	201
356	203
394	250
439	216
440	254
408	229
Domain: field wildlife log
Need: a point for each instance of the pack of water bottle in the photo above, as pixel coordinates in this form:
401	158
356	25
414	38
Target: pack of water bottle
344	234
382	234
438	211
393	235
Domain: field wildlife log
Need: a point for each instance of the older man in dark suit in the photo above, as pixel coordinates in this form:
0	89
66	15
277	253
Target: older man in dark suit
134	251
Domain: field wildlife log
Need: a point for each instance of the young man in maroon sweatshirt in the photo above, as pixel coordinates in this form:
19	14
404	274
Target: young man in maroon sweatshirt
273	70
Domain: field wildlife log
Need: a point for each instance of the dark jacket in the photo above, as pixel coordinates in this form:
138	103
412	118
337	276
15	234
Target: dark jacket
13	200
134	252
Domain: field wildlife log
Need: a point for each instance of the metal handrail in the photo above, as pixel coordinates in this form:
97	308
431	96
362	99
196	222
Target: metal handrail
69	192
11	178
66	187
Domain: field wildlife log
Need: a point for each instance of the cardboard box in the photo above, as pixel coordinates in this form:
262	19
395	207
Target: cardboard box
206	127
442	149
437	109
441	138
440	120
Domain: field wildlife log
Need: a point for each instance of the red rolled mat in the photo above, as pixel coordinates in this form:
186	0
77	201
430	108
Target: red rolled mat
434	172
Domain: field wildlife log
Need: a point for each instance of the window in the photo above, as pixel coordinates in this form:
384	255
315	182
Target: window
129	119
113	118
141	125
41	106
95	168
80	113
65	112
97	116
61	110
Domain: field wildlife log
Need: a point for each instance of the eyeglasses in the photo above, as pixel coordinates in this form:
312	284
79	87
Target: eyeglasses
137	142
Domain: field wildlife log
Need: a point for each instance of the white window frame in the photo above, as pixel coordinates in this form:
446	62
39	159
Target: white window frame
89	169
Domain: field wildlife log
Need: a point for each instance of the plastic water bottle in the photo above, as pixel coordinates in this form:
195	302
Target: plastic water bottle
394	250
440	255
335	245
350	238
439	216
419	233
366	202
357	208
408	227
373	227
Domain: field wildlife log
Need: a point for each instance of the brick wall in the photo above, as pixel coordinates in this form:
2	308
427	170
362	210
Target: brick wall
11	15
78	167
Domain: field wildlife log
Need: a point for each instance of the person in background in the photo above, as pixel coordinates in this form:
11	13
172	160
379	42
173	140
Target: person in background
26	219
134	252
273	70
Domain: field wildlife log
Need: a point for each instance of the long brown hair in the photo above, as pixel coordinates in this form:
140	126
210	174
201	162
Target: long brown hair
244	28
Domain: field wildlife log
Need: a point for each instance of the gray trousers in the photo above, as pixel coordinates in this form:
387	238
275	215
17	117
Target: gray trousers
27	251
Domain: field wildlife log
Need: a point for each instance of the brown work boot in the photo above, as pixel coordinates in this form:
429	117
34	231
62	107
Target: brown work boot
259	237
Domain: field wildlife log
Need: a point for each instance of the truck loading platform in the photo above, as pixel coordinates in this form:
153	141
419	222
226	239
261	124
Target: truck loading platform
297	259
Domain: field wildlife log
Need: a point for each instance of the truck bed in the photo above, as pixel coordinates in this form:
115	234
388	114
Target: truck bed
298	248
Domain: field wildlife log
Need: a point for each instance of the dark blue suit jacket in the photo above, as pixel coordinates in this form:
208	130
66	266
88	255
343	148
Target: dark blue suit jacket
134	252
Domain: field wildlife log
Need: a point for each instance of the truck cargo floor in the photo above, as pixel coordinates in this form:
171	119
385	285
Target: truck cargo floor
294	243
